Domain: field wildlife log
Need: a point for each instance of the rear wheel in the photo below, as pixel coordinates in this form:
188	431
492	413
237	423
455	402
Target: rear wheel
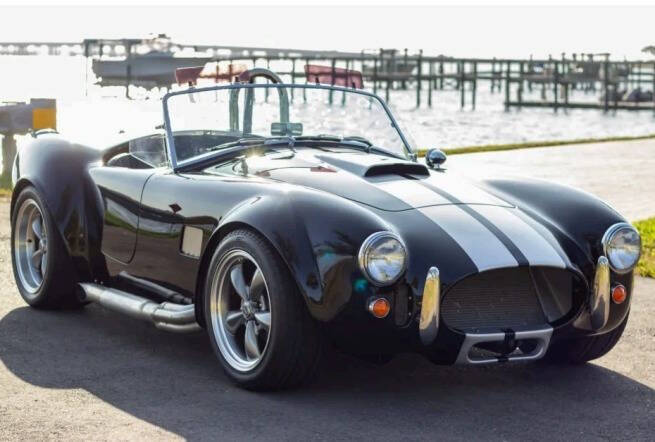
39	258
579	351
257	321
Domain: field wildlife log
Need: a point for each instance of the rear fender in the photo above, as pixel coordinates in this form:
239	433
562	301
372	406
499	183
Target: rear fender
58	170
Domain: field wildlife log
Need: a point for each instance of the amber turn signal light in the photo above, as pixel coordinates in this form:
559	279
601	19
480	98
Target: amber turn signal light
619	293
379	307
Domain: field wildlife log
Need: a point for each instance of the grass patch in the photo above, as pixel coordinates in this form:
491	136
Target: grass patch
532	144
646	266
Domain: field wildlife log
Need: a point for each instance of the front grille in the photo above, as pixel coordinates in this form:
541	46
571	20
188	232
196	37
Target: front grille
507	298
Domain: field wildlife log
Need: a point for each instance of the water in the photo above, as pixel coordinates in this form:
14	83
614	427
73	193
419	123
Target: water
87	112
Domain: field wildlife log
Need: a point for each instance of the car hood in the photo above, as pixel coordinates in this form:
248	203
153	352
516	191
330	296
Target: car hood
430	209
375	180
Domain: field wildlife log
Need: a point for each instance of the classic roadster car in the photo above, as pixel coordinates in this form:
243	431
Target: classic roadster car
284	217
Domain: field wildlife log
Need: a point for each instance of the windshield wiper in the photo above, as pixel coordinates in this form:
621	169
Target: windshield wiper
353	141
336	139
250	141
256	141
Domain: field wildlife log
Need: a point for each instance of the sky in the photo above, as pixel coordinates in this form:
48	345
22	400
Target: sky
465	31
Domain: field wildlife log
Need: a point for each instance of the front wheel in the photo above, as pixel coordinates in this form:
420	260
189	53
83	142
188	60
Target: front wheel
257	322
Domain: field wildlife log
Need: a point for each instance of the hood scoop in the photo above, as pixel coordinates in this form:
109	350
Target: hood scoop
383	182
374	165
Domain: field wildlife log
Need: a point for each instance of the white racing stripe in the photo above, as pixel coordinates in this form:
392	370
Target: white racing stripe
464	191
483	247
537	250
410	192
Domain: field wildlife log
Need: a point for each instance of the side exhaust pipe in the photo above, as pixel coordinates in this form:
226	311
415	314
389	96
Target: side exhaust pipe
166	316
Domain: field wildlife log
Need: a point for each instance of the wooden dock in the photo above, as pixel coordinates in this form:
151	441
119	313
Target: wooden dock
386	70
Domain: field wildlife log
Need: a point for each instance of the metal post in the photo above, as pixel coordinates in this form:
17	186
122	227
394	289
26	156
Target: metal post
418	78
493	74
334	62
431	84
293	76
457	80
8	154
519	90
390	66
386	92
507	80
304	90
128	77
462	85
474	84
653	80
531	71
86	68
606	72
441	75
343	94
375	76
555	84
404	82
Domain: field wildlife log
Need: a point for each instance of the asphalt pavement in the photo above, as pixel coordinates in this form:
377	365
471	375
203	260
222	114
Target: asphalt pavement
94	375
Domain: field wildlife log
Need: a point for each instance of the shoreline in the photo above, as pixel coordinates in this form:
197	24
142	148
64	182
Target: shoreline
535	144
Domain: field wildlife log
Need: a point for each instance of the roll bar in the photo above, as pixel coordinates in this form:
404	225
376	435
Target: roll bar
249	76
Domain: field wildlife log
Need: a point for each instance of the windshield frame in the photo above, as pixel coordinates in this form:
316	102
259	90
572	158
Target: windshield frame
170	141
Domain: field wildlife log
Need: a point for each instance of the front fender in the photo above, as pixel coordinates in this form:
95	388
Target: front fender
578	220
317	235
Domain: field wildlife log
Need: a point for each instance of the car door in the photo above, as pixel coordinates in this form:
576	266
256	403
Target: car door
121	182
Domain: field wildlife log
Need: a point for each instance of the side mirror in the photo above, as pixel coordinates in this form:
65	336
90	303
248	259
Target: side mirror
434	158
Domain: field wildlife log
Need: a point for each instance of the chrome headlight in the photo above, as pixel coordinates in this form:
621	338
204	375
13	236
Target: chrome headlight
622	247
383	258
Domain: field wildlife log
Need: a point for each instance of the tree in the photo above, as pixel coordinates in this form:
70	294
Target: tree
650	49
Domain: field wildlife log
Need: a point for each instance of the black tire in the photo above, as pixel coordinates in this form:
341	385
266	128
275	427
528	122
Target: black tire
57	285
579	351
294	344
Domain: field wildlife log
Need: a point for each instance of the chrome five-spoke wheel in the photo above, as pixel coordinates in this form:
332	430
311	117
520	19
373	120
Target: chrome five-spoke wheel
30	246
240	310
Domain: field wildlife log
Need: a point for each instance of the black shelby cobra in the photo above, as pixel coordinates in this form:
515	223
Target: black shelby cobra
280	217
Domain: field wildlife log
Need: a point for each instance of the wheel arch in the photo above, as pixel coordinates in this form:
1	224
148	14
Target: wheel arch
316	235
18	188
58	170
212	244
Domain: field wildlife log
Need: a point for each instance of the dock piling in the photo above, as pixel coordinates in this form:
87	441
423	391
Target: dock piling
474	84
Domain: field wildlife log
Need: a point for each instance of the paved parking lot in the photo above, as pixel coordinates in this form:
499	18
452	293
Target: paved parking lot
91	374
621	173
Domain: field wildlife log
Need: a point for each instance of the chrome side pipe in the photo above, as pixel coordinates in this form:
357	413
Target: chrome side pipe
165	316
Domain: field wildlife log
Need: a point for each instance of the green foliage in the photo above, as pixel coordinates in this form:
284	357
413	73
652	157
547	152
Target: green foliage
646	266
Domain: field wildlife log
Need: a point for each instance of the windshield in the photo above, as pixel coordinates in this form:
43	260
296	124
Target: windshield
204	121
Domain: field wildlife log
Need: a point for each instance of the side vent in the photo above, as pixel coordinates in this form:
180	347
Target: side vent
192	241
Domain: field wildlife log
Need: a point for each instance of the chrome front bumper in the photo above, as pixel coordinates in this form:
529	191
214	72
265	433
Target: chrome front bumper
429	322
540	338
429	328
599	302
599	309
